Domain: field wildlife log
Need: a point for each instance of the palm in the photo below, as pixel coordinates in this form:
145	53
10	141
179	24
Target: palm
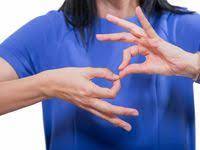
157	63
161	56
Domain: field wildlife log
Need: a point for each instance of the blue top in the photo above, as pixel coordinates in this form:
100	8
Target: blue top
166	104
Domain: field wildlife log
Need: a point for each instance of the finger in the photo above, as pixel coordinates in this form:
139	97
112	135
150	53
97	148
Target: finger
143	41
112	119
108	108
134	69
131	27
131	52
127	54
145	23
118	110
154	43
101	73
121	37
100	92
150	44
115	89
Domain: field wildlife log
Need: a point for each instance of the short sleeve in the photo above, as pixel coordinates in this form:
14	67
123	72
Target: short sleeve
20	49
184	31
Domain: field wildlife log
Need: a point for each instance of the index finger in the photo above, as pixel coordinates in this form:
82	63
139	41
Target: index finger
110	118
131	27
101	92
145	23
101	73
108	108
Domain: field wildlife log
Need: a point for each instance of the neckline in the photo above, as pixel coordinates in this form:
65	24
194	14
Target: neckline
104	20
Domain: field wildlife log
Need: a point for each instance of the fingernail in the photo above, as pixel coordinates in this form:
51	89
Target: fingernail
98	36
128	128
138	8
116	77
121	74
135	113
109	17
120	67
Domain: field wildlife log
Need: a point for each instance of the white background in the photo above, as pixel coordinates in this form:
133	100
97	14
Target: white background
23	129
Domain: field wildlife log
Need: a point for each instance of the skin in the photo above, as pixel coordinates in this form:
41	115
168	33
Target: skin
161	57
74	85
120	8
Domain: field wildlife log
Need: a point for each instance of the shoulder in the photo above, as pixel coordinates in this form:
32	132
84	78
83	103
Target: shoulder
39	32
51	24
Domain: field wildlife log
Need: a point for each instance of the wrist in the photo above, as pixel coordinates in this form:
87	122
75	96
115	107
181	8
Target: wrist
197	75
193	67
45	84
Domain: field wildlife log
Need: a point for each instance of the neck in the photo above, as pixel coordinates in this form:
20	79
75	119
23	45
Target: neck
119	8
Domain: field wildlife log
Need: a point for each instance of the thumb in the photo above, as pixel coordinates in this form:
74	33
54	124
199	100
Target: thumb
134	69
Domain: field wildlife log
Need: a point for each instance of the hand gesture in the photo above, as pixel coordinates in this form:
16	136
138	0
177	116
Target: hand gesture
161	57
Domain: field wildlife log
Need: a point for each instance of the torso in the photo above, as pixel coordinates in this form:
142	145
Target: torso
165	103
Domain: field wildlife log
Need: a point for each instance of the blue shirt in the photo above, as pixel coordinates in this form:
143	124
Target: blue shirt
166	104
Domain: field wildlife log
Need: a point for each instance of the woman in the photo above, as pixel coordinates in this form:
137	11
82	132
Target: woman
56	59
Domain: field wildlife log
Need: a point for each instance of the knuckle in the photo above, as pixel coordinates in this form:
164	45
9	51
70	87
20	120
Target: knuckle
126	54
113	94
138	50
126	51
109	38
86	92
124	33
131	29
116	122
89	93
89	69
86	103
159	40
124	37
125	112
94	104
106	70
148	27
118	22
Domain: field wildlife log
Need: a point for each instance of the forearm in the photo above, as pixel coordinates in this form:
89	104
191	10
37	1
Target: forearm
193	67
20	93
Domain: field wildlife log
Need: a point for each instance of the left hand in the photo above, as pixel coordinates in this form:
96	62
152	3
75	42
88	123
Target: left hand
161	57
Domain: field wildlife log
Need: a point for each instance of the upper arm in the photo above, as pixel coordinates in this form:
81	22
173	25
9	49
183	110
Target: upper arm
19	52
6	71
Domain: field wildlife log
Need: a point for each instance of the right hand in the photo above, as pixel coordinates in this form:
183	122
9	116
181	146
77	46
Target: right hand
161	56
75	86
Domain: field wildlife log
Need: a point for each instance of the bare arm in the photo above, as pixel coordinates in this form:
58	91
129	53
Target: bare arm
73	85
17	93
161	56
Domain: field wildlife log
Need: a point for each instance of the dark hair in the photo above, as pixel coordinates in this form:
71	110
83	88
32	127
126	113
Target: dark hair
82	13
